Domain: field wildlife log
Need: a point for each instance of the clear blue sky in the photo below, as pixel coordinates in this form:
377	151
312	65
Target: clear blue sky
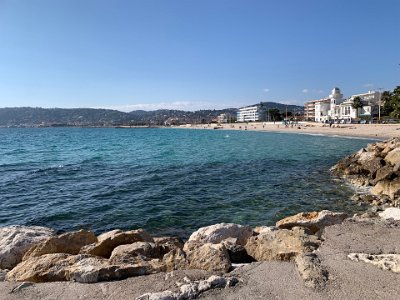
190	54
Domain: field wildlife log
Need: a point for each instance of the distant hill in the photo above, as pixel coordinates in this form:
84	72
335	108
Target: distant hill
36	116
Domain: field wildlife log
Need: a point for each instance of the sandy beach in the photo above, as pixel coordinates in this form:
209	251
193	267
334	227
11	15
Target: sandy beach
373	131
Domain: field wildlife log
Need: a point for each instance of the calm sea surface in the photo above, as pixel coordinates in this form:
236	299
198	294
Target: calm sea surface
168	181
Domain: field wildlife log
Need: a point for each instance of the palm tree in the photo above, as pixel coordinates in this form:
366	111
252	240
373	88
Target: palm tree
357	103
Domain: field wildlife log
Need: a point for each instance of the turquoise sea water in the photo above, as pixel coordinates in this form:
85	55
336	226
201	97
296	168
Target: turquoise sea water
168	181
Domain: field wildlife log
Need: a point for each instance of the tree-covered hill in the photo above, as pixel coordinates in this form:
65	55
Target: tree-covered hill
36	116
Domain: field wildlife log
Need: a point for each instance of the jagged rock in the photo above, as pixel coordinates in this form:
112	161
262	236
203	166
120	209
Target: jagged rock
390	213
167	243
393	157
281	244
311	271
131	253
382	187
108	241
70	242
48	267
372	166
175	260
208	257
16	240
81	268
217	233
237	253
384	173
314	221
390	262
94	269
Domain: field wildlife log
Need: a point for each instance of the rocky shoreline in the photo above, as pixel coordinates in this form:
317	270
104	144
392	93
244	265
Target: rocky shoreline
38	255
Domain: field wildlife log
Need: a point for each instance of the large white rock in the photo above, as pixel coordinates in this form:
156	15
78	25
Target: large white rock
217	233
16	240
390	213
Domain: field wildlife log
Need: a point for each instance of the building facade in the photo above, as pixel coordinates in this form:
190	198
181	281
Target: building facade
336	108
250	114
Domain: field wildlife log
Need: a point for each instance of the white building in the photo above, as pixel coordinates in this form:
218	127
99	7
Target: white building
222	118
249	114
337	108
322	108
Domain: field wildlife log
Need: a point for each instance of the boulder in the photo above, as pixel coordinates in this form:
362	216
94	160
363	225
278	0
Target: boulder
167	243
175	260
281	244
390	213
394	188
48	267
314	221
372	166
384	173
16	240
381	188
95	269
81	268
70	242
389	262
131	253
208	257
108	241
238	254
217	233
393	157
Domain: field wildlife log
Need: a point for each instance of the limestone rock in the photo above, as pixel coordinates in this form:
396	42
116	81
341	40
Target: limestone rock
94	269
393	157
311	271
175	260
16	240
281	244
372	166
70	242
381	188
391	213
237	253
314	221
109	241
217	233
208	257
131	252
383	173
48	267
81	268
390	262
168	244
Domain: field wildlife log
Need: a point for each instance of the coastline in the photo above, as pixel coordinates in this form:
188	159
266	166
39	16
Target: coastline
367	131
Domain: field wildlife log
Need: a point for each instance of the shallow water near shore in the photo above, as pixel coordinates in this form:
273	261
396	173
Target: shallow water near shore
168	181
